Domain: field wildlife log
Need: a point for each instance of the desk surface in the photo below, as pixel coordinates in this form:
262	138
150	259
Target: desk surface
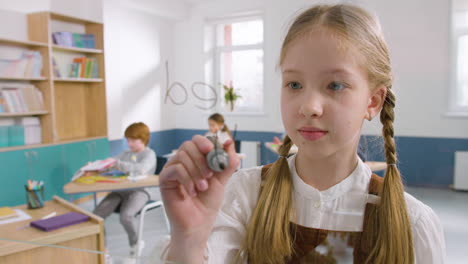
18	231
74	187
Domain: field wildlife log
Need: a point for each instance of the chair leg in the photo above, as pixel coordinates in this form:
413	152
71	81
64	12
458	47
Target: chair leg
142	222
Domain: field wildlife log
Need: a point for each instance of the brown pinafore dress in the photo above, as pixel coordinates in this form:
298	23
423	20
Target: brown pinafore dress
312	245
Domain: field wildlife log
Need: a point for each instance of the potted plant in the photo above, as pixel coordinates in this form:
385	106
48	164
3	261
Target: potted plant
230	96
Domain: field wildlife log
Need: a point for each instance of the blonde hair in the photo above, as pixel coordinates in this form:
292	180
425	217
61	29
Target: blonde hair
268	238
219	119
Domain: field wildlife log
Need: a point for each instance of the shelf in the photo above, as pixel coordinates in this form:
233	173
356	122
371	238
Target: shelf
71	19
35	113
28	44
78	80
5	149
75	49
22	78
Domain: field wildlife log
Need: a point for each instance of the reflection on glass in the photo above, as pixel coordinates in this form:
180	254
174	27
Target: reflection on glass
462	70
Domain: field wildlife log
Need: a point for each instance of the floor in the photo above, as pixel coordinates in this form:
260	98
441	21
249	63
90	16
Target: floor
450	206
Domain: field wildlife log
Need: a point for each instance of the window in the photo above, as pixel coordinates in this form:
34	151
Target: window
239	62
459	97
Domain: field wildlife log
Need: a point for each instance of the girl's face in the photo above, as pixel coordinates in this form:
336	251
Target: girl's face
325	95
213	126
135	144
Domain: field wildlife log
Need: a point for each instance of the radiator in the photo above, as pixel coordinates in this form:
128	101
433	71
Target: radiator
460	181
251	150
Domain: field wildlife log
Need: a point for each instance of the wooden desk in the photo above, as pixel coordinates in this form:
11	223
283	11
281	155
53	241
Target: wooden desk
75	188
88	235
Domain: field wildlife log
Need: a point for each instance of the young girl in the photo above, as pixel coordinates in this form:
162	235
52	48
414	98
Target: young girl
217	128
323	204
138	158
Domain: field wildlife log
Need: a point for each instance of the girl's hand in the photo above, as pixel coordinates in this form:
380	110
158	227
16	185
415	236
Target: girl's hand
192	195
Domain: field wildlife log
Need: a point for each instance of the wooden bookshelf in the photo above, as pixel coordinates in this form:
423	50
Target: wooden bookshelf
48	144
78	80
6	78
75	108
27	44
34	113
78	50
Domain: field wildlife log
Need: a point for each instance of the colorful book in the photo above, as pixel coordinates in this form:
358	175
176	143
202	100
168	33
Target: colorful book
98	165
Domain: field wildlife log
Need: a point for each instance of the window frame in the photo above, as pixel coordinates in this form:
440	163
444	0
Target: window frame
218	50
455	109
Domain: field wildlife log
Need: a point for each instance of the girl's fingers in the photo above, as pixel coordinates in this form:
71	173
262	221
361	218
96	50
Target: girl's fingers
234	162
195	172
177	173
198	157
189	166
203	144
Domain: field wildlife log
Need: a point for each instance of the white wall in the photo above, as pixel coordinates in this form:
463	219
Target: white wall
85	9
137	44
417	33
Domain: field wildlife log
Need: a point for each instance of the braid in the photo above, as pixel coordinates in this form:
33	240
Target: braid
394	243
387	116
285	147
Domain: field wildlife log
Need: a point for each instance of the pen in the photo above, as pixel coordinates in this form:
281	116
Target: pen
49	215
44	217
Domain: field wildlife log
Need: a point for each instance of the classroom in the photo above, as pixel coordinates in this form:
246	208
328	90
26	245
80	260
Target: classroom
122	122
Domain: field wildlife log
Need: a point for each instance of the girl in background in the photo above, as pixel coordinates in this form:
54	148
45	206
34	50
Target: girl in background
217	128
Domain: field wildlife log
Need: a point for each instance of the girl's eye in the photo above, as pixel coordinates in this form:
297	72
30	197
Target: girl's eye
336	86
294	85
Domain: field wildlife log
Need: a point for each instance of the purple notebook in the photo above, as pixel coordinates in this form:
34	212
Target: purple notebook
60	221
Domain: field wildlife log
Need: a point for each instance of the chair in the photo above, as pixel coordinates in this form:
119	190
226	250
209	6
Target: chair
237	146
150	205
161	161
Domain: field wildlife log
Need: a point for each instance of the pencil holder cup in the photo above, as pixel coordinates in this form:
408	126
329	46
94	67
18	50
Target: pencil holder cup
35	198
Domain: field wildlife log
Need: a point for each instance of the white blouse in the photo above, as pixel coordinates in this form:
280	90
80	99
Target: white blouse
339	208
222	136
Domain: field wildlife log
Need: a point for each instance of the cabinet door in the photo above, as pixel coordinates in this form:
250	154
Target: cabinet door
14	172
55	165
41	164
79	153
49	165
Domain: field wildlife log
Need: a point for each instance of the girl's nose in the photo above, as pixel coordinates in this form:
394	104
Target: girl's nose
312	106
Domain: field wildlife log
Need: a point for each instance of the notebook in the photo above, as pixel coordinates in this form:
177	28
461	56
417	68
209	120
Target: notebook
7	212
59	221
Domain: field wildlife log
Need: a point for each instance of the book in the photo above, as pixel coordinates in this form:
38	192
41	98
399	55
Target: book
98	165
29	64
56	69
7	212
60	221
77	40
20	98
2	104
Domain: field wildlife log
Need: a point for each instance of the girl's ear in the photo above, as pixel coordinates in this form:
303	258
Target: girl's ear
376	101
